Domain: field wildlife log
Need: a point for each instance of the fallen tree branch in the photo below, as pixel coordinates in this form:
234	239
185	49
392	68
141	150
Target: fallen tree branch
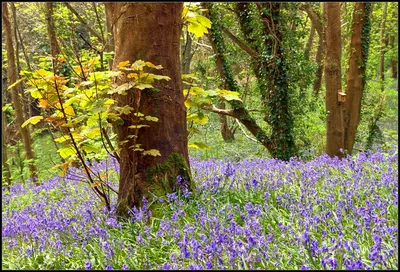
244	132
241	44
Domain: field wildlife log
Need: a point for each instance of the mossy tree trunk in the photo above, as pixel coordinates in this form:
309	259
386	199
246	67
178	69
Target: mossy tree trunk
12	77
359	46
151	32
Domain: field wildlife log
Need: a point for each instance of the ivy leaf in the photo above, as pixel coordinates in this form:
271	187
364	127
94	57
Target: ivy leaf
33	120
152	152
199	145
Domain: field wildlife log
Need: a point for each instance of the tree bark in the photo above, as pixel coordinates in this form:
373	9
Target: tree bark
151	32
393	60
356	73
308	46
51	30
187	54
12	77
5	165
24	97
382	50
334	119
110	37
238	110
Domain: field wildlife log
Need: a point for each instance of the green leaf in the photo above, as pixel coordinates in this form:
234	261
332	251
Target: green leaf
203	21
159	77
15	83
66	152
121	89
152	152
199	145
35	93
61	139
198	118
90	148
33	120
138	126
151	118
196	28
142	86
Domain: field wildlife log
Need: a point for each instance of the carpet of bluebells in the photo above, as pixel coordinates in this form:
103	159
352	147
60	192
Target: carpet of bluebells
255	213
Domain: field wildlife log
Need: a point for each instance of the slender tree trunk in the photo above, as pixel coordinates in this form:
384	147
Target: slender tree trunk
187	54
226	132
5	165
356	74
334	119
51	30
308	46
317	23
110	35
154	38
393	60
12	77
382	50
25	97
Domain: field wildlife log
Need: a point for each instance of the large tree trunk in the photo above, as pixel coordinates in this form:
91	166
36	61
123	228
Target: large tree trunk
356	73
334	119
12	77
382	52
151	32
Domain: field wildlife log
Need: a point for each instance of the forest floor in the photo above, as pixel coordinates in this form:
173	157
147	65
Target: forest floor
247	214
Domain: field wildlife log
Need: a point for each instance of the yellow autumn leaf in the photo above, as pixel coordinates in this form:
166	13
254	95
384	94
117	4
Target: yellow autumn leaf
33	120
69	111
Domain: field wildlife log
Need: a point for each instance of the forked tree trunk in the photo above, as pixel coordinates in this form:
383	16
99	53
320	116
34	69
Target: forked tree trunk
12	77
334	119
151	32
356	73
